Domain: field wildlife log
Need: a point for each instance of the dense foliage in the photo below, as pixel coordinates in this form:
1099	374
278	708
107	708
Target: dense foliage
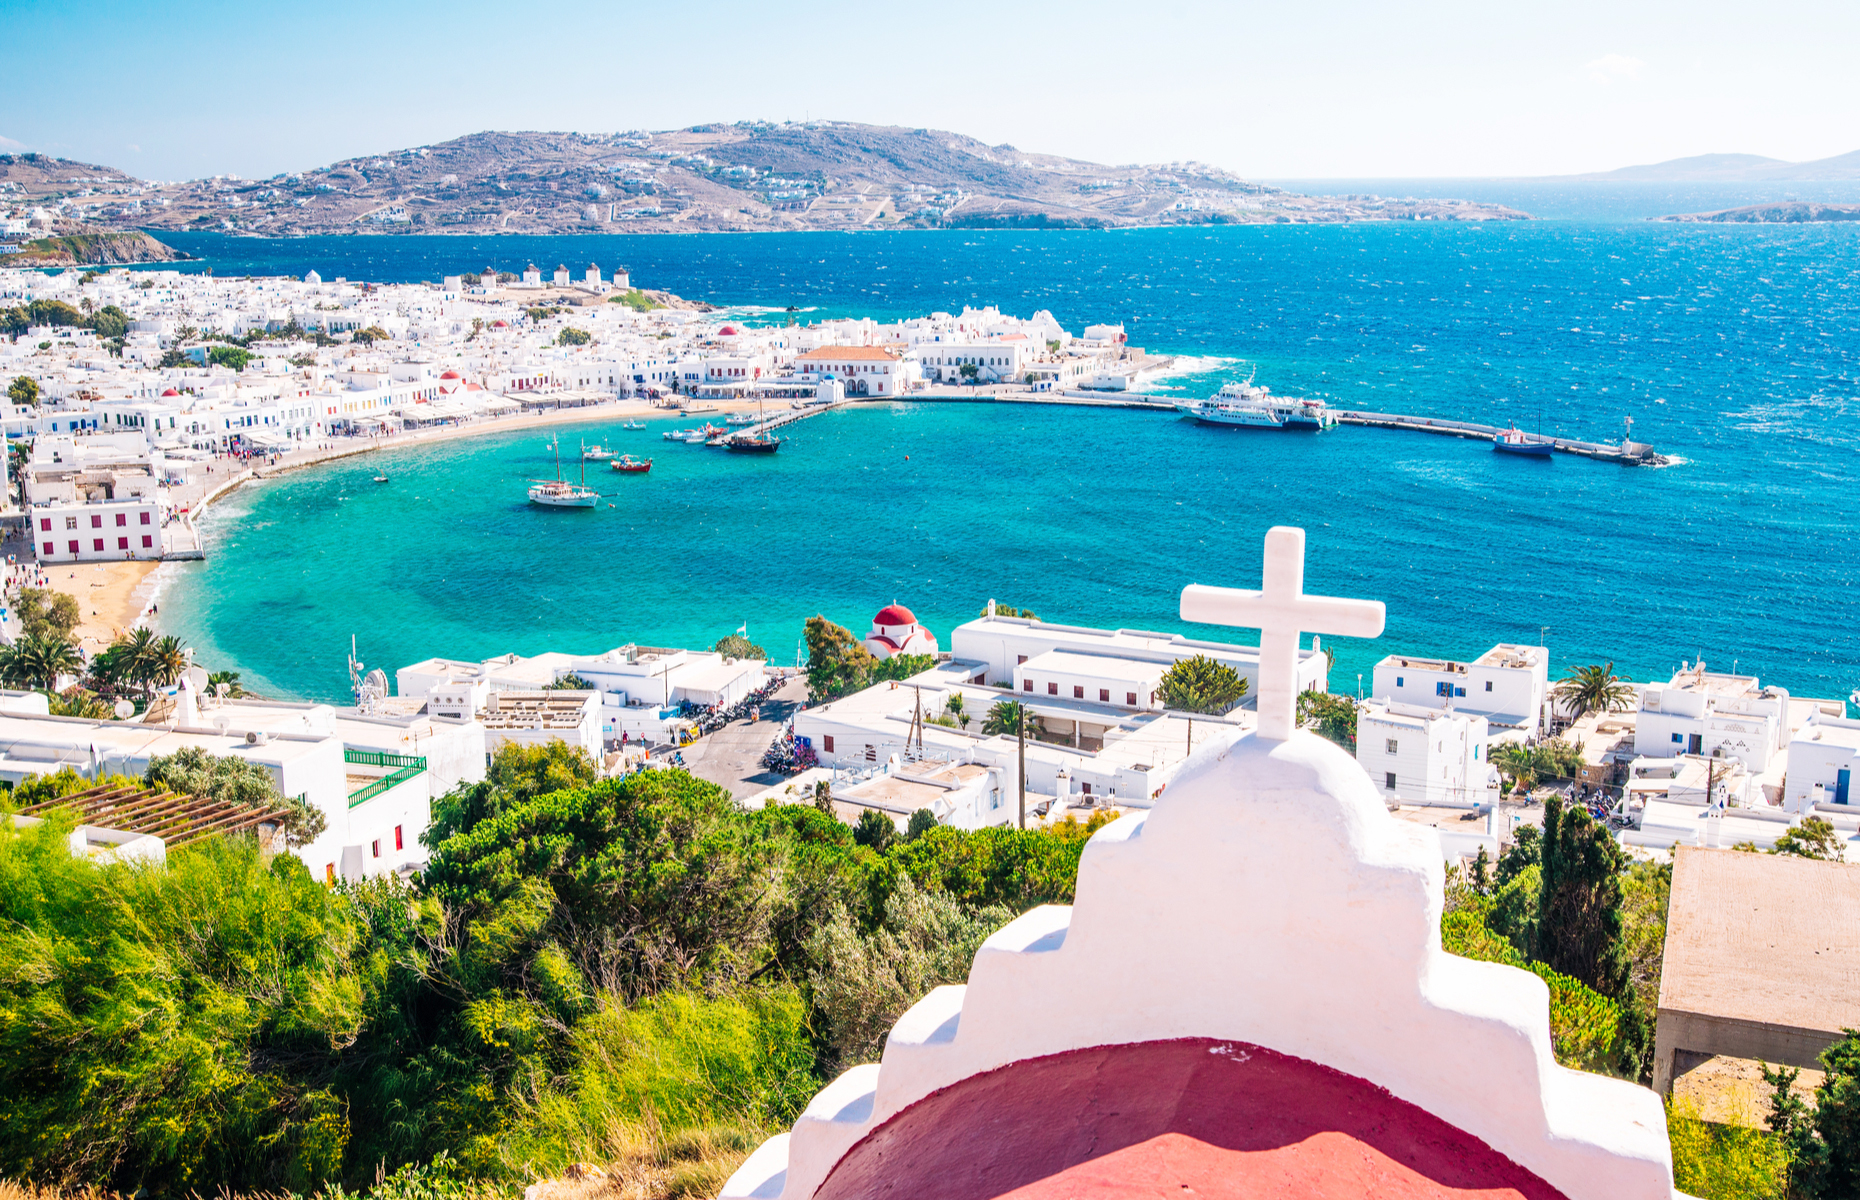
588	970
838	663
1821	1144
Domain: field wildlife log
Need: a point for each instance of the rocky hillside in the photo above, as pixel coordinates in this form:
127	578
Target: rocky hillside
1787	212
746	176
94	248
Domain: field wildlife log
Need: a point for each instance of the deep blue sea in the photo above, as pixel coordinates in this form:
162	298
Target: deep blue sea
1732	347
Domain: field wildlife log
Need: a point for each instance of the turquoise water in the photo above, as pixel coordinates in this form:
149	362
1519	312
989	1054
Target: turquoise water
1733	348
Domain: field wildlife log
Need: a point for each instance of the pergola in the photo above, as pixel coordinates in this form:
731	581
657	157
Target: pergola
1762	960
179	820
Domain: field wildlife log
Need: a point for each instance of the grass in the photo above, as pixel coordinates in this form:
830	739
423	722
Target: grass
1721	1162
636	300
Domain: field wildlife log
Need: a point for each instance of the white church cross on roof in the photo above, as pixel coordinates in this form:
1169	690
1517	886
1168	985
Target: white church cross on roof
1281	611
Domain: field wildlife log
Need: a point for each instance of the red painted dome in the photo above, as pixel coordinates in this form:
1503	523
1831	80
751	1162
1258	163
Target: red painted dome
500	325
1190	1117
450	375
894	614
170	392
727	331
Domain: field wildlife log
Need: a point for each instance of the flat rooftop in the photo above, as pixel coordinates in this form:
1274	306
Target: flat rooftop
1763	937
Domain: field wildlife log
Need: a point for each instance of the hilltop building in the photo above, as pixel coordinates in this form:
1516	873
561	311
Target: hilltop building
1508	685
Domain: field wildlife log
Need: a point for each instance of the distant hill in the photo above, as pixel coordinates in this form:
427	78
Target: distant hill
1733	168
1788	212
744	176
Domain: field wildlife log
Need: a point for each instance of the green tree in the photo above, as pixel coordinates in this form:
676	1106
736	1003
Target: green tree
193	772
735	645
875	829
518	774
1823	1144
570	682
231	679
1516	762
110	322
1202	685
1005	717
922	822
24	390
1579	919
954	705
235	357
1333	717
837	662
898	666
570	336
370	335
47	613
863	982
968	371
1008	610
1593	689
1813	838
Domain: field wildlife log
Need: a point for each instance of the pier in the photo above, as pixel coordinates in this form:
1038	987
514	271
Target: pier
1626	452
788	417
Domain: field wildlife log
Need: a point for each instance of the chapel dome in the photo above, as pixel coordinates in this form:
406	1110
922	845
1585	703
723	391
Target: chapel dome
450	375
894	614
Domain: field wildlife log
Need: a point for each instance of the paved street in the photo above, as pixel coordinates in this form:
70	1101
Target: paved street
732	756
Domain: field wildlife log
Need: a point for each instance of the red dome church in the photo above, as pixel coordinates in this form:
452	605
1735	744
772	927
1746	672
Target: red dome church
895	631
1248	997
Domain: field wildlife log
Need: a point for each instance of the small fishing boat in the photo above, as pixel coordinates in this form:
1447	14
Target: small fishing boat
631	465
596	453
740	419
711	431
381	479
632	424
678	435
695	437
1516	441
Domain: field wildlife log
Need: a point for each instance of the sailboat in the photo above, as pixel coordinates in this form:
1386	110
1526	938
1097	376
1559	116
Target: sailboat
753	443
558	493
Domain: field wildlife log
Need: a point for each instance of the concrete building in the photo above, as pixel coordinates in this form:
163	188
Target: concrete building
521	718
1427	756
863	370
1507	685
1773	977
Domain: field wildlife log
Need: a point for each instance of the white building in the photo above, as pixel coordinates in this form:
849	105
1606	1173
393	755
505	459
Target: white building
1000	645
1507	685
1707	712
863	370
1824	757
1424	755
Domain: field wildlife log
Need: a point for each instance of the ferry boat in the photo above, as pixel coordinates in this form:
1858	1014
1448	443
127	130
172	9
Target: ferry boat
631	465
558	493
1516	441
1244	404
596	453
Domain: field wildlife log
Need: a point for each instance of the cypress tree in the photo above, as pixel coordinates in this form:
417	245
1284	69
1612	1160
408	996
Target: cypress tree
1579	925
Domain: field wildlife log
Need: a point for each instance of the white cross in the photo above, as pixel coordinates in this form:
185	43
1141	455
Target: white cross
1281	611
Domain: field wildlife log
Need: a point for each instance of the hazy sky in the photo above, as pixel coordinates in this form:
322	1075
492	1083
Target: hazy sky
1327	88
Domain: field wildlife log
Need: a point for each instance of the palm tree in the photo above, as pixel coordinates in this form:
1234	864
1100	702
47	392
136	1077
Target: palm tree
168	663
135	654
1594	689
1519	762
234	689
37	660
1004	716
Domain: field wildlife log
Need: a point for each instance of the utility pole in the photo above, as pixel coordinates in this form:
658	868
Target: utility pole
1020	737
1191	735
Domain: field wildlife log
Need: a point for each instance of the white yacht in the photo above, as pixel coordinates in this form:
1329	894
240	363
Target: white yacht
558	492
1242	403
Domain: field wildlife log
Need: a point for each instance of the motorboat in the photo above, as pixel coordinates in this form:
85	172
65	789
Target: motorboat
678	435
381	479
740	419
632	424
631	465
596	453
1516	441
744	443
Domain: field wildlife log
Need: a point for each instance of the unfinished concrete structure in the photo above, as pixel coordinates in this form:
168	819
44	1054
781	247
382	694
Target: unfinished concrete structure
1762	960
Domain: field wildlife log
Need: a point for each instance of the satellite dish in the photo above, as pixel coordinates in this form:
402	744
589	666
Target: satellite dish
124	710
220	689
377	679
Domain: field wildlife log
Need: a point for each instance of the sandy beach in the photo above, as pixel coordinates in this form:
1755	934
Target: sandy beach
110	596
